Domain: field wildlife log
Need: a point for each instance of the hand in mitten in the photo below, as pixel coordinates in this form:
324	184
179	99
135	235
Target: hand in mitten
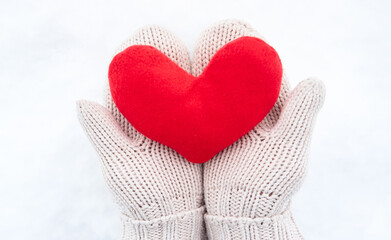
159	192
249	185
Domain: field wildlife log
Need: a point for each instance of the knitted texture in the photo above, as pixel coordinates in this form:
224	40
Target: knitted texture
158	191
248	186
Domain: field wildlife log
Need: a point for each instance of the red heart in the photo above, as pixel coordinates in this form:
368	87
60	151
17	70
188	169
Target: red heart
197	116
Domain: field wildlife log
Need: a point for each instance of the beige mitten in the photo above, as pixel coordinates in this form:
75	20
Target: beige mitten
248	186
158	191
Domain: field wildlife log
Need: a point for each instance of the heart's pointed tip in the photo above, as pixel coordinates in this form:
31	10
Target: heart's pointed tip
198	159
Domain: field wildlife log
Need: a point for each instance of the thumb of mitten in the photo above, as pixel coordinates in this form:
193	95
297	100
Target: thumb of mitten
101	128
300	109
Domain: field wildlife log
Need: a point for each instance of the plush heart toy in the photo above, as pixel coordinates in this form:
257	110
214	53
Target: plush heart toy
197	116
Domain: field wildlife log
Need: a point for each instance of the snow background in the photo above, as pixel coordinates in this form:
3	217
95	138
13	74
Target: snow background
55	52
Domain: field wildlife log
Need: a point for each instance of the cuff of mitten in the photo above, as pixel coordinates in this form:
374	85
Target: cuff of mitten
281	227
186	225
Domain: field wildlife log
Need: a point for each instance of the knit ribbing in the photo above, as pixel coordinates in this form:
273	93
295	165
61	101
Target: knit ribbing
187	225
280	227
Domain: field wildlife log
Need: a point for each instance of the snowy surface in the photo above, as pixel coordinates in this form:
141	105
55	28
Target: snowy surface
55	52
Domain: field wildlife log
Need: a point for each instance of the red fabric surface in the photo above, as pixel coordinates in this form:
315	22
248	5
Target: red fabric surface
197	116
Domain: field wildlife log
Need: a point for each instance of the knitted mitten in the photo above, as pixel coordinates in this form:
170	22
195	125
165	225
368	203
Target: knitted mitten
159	192
248	186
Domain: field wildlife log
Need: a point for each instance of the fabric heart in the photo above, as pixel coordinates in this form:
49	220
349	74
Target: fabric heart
197	116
